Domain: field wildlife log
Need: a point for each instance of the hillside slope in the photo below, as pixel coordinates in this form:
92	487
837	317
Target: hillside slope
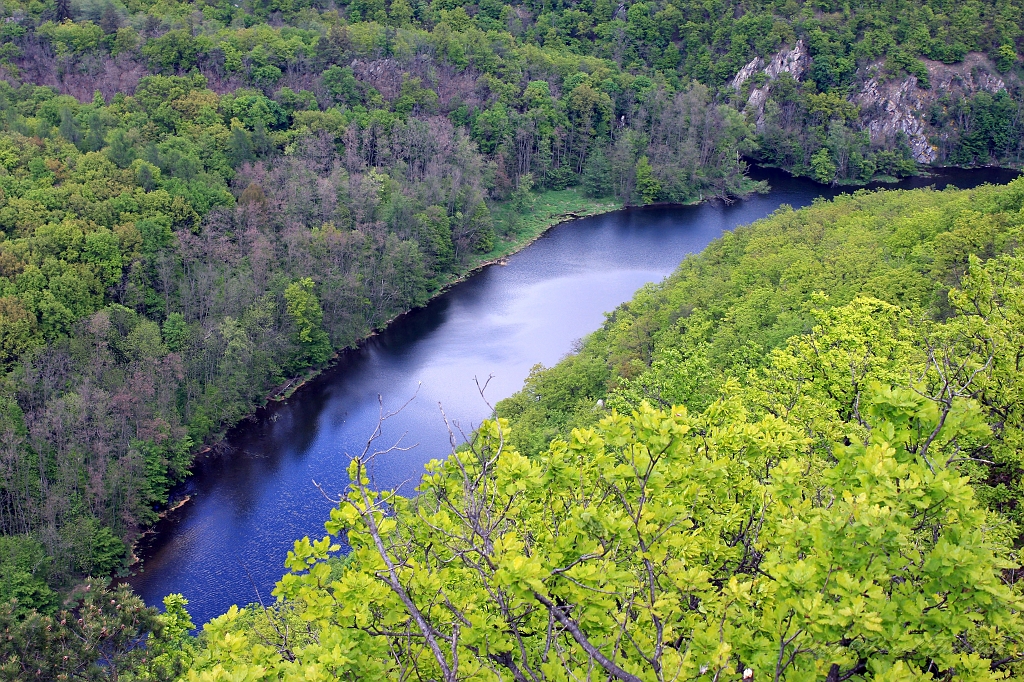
722	316
200	202
819	478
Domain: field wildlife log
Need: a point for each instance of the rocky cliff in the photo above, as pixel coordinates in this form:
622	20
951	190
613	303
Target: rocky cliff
888	105
892	106
795	62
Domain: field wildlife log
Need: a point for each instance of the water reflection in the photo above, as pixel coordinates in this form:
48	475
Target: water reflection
250	501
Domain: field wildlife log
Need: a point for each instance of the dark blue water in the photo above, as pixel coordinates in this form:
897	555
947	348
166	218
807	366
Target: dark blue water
250	501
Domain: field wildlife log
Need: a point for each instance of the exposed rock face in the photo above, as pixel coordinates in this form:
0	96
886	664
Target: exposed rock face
795	62
900	106
895	107
888	107
976	73
746	72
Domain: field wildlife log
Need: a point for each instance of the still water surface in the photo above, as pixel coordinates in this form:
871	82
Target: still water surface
250	502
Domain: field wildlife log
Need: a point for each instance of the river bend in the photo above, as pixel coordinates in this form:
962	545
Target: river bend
249	502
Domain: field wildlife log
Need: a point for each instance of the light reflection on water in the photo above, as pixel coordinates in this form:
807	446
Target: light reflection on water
249	505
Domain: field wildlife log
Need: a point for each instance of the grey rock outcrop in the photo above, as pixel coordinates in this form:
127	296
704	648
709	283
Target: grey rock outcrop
795	62
895	107
891	107
888	106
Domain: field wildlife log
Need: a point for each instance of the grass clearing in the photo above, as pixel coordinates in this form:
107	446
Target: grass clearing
516	228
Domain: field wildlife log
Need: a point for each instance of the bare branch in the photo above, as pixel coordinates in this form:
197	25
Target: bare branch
569	624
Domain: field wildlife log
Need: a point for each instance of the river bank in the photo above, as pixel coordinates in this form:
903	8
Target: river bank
545	210
884	181
525	224
250	495
541	212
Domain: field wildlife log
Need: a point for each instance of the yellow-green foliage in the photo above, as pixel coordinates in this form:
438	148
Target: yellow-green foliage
73	222
842	505
661	545
723	310
742	308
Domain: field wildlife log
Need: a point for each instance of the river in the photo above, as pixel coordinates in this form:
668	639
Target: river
254	496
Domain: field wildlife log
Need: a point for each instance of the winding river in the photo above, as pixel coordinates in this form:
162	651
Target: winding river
255	496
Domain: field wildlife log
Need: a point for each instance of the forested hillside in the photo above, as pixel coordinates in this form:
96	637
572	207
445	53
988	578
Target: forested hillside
891	262
172	257
200	202
798	458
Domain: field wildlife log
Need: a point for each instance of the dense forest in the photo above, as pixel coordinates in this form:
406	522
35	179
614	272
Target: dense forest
202	202
738	471
799	456
171	258
739	476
